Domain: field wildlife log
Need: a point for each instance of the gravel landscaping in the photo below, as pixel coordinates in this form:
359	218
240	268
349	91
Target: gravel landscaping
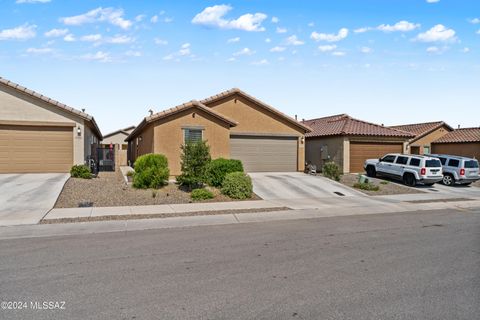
476	184
109	190
387	187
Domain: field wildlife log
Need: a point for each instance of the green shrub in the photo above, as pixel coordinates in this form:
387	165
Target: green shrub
217	170
331	170
195	157
237	185
130	173
151	171
384	182
81	171
201	194
366	186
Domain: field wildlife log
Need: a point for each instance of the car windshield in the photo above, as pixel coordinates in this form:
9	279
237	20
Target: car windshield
471	164
434	163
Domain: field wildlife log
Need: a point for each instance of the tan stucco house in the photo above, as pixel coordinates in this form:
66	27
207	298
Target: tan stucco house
425	134
116	141
461	142
39	134
235	125
349	142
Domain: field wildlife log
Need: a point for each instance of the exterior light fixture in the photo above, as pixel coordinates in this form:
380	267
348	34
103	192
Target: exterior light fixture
79	131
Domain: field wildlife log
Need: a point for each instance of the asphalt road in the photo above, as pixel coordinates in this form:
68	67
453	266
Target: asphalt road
423	265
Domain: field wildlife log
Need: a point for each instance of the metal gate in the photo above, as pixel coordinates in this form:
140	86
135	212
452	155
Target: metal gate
106	159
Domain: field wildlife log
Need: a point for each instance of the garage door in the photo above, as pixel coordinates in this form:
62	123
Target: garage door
265	154
361	151
31	149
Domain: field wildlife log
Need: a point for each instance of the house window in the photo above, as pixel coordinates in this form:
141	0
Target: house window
192	135
426	149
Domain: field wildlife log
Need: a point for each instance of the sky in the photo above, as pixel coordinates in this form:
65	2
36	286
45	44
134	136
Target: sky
384	61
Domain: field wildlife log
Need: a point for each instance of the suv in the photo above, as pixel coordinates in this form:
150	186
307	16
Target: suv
411	169
458	169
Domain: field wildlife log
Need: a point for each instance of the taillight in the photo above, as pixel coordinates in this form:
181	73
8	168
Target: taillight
462	172
423	171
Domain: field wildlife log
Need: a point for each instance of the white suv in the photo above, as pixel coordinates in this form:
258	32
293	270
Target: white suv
456	169
411	169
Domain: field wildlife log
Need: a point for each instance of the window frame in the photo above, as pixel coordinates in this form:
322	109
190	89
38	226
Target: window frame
188	129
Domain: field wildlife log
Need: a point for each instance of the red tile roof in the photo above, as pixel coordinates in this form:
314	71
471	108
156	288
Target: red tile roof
343	124
422	129
461	135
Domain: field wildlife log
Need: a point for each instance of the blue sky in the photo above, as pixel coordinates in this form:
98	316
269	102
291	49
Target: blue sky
384	61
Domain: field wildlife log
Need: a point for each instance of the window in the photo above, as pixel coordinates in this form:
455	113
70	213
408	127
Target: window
426	149
193	135
388	159
415	162
433	163
469	164
402	160
442	160
453	163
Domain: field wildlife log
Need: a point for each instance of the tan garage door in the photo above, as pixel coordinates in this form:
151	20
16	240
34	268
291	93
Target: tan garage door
31	149
471	150
265	154
361	151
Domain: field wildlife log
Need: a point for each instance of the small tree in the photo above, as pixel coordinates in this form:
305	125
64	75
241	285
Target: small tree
194	160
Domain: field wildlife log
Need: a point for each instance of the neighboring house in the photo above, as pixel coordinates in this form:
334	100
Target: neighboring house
461	142
349	142
235	125
39	134
424	133
116	140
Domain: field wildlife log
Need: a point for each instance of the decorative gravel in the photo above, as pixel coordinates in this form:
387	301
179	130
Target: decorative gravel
109	190
390	188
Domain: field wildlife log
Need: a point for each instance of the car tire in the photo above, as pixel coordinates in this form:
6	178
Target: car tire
448	180
371	172
409	180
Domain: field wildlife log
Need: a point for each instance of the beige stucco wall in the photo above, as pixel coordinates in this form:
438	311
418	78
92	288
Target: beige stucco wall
335	145
118	138
427	140
15	106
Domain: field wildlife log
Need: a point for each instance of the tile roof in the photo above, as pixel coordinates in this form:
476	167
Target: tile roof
343	124
421	129
124	131
52	102
461	135
234	91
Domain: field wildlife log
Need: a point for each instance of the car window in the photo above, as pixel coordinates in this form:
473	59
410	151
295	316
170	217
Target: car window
401	160
453	163
442	160
469	164
388	159
434	163
415	162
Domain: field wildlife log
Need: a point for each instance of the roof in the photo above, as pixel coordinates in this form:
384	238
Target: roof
177	109
343	124
52	102
124	131
234	91
461	135
422	129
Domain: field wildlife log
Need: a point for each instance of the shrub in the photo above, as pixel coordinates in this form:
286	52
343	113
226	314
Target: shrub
237	185
81	171
331	170
366	186
130	173
384	182
217	170
194	160
201	194
151	171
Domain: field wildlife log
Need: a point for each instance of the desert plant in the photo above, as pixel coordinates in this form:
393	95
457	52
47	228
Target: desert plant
130	173
151	171
80	171
384	182
217	170
201	194
331	170
237	185
195	157
368	186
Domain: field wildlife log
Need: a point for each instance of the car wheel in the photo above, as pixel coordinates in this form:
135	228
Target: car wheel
371	172
409	180
448	180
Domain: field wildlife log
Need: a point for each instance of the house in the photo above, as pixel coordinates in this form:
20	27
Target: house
39	134
116	141
424	133
349	142
235	125
461	142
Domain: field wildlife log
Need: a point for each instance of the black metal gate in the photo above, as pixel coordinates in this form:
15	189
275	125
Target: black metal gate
106	159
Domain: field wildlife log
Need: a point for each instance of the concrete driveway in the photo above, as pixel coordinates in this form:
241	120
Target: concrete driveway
26	198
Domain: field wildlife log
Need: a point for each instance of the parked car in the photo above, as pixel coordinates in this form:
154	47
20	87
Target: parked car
458	170
411	169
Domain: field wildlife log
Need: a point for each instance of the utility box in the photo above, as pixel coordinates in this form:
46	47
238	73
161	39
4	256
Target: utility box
363	178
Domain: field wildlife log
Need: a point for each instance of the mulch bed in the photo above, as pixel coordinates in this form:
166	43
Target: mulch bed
109	190
390	188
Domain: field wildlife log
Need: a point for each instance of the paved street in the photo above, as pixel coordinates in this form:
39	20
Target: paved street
423	265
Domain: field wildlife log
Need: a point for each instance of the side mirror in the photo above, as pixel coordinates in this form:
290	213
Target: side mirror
380	159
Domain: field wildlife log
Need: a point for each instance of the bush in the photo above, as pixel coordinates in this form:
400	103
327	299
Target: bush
151	171
194	160
80	171
331	170
237	185
217	170
366	186
201	194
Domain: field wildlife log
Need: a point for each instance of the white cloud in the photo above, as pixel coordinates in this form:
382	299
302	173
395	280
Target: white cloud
99	56
132	53
160	42
277	49
32	1
168	19
294	41
432	1
168	57
110	15
362	30
433	49
366	50
69	38
327	47
338	53
244	52
120	39
329	37
154	19
91	37
475	21
185	49
233	40
140	17
39	50
311	24
260	62
268	40
466	50
281	30
438	33
231	59
275	20
402	26
56	33
478	32
214	17
23	32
